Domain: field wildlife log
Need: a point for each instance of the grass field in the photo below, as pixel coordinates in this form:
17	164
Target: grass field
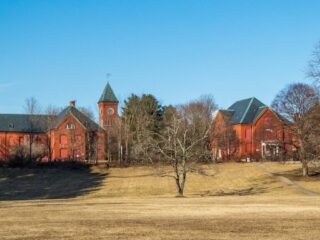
223	201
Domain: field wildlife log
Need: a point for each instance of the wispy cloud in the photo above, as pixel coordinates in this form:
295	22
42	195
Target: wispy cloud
5	85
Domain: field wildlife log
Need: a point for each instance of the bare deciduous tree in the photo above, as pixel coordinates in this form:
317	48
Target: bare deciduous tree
87	111
293	102
311	131
184	137
51	111
314	65
32	108
224	138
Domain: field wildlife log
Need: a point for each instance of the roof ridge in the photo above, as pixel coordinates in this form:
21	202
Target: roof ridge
229	110
245	113
244	99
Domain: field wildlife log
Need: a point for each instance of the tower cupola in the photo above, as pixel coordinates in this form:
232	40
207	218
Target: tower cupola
108	107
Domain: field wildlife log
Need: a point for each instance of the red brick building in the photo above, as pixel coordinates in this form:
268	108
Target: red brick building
250	129
69	135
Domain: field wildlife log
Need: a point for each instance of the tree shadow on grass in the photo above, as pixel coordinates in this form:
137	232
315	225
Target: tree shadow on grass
38	183
257	186
236	192
296	175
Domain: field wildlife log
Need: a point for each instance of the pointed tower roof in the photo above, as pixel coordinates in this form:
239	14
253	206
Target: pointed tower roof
108	95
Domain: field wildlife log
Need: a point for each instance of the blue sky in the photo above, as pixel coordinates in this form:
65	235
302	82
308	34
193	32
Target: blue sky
177	50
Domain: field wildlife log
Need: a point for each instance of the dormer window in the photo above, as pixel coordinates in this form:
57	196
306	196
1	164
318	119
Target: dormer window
70	126
11	125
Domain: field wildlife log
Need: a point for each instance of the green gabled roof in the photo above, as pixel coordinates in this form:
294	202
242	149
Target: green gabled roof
108	95
246	110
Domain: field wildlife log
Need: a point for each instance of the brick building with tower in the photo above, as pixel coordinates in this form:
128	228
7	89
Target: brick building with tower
69	135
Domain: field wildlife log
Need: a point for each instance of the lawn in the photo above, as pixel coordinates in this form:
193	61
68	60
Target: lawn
293	172
223	201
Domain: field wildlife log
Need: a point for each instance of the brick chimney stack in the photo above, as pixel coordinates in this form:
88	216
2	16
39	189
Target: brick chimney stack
72	103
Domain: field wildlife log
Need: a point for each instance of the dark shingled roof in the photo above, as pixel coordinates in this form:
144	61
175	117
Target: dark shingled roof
82	118
285	120
246	110
226	115
42	123
24	123
108	95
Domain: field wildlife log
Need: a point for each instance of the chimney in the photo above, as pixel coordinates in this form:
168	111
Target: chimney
72	103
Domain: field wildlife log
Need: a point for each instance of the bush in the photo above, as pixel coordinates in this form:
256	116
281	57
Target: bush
63	164
19	158
20	155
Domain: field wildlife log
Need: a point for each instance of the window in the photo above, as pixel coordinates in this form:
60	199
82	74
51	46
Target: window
11	125
37	140
267	122
78	138
279	135
269	134
286	135
21	141
63	139
11	141
70	126
247	134
247	148
77	154
109	122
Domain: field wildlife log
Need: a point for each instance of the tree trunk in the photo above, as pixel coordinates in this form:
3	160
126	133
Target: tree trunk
127	149
30	147
304	161
179	188
305	168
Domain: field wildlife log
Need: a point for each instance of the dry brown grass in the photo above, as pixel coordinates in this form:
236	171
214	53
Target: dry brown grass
225	201
166	218
213	180
294	173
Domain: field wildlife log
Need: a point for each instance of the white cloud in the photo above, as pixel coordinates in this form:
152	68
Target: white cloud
6	85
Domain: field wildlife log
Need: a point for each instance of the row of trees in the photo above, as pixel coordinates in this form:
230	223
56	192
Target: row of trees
148	133
143	121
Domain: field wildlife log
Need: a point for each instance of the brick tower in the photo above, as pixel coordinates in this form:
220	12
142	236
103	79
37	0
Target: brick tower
108	108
